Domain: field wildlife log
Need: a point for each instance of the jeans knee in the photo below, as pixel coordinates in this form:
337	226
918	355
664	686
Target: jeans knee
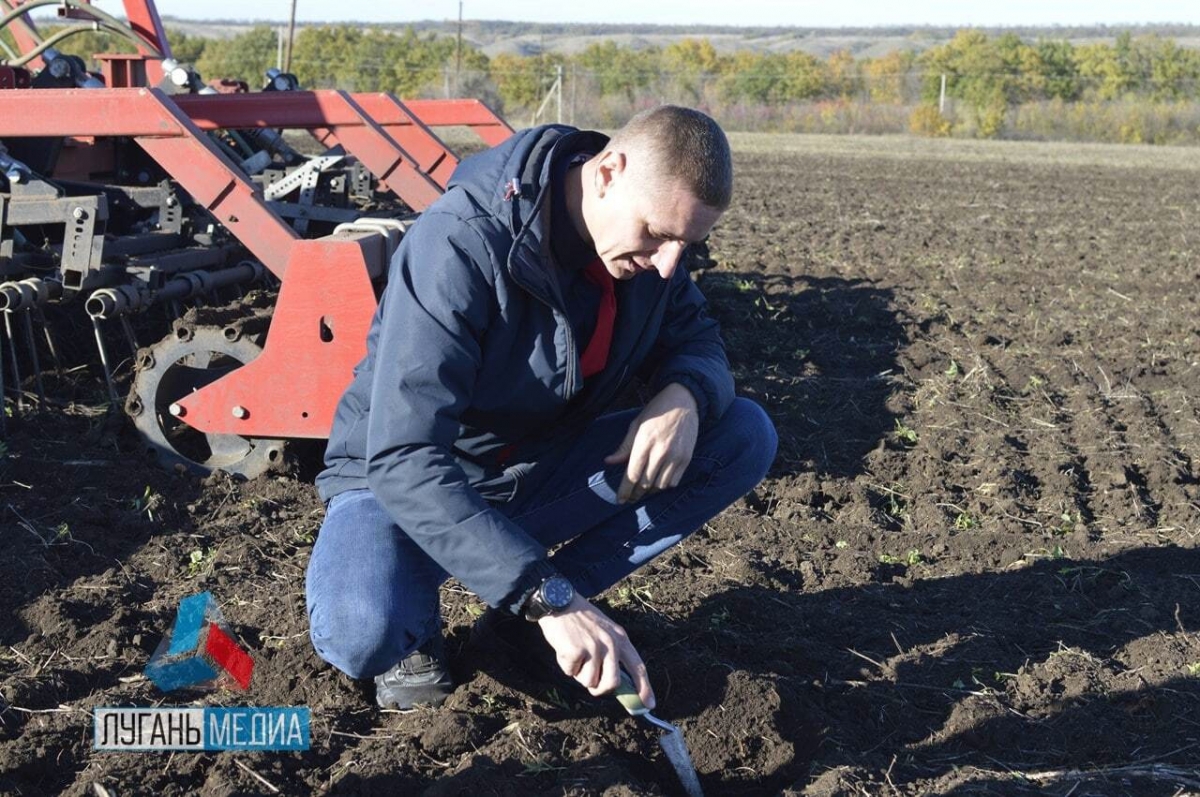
360	644
755	439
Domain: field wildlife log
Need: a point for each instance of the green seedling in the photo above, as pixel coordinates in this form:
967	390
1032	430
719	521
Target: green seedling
977	674
965	522
1057	552
905	434
897	502
147	503
1193	669
1067	523
910	559
199	561
952	371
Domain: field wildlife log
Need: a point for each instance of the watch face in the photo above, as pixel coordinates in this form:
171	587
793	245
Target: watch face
557	592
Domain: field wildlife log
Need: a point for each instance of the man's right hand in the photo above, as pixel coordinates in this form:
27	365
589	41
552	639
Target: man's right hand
593	650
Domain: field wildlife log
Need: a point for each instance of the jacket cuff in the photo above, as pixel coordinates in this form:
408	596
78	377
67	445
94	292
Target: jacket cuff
535	573
694	386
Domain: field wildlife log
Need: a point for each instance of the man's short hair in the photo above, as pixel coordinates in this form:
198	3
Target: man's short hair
684	145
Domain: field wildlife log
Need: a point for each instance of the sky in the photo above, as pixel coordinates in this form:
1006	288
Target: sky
802	13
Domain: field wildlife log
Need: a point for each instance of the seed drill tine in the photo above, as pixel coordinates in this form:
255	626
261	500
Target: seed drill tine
672	742
27	328
129	336
112	390
3	406
41	317
12	353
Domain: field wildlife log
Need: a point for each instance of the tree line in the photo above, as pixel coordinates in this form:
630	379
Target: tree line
984	77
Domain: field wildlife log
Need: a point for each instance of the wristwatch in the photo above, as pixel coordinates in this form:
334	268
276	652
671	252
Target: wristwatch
553	596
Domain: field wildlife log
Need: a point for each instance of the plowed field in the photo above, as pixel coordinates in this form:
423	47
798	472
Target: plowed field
973	568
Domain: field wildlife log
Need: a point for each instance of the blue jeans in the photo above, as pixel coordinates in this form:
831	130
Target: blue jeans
373	593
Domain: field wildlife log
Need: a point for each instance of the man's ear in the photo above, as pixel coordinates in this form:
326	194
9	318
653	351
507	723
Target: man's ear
609	168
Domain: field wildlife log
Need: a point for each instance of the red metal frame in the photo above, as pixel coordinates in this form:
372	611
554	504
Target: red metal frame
482	120
144	19
179	146
319	328
433	156
292	388
343	121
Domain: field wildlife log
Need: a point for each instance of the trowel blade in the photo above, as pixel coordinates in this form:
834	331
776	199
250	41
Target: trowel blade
677	753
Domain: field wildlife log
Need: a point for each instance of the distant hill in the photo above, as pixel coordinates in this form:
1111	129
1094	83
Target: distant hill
527	38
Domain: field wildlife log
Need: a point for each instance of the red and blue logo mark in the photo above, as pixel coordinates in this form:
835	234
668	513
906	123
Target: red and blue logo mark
200	651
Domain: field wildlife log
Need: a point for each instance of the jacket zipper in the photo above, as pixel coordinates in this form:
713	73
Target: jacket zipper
572	349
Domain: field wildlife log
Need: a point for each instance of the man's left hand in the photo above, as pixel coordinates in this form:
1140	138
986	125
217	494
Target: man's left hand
659	444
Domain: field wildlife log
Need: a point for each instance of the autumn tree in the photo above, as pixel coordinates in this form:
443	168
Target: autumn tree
887	77
617	70
524	81
690	64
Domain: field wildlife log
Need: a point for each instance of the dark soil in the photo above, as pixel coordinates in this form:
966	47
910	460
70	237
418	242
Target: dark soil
972	570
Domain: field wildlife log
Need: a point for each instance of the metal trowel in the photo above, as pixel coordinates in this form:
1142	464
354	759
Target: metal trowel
671	741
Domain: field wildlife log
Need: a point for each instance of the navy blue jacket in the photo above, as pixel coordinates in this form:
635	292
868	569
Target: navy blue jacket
471	353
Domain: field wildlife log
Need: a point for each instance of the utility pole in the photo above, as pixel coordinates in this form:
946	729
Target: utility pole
287	64
558	71
458	55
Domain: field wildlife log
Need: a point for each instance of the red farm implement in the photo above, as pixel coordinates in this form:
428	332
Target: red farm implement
144	203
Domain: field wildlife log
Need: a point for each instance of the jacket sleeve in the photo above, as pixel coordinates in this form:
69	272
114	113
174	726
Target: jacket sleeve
427	355
689	350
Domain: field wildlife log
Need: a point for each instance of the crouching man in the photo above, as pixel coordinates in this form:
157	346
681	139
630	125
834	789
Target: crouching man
478	432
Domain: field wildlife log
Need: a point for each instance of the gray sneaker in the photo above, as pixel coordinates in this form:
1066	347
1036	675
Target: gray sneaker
420	677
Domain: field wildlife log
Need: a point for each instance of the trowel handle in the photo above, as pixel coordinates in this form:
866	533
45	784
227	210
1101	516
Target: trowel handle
627	696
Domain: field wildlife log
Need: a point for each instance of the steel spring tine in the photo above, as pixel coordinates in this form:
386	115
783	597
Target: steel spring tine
49	341
3	406
27	328
112	390
129	336
12	353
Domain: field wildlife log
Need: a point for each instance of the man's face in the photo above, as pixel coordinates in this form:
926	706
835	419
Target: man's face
639	224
